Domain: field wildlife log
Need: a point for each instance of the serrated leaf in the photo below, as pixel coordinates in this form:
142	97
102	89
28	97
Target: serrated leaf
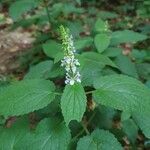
40	70
56	71
125	116
112	51
73	103
99	140
26	96
104	117
78	1
126	36
130	129
107	15
96	59
123	93
126	66
101	41
138	54
9	137
49	135
100	26
143	70
143	121
58	57
18	8
83	42
91	66
51	48
148	83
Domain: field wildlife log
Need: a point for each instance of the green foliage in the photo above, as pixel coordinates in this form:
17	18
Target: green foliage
40	70
18	8
73	103
10	137
99	139
131	129
100	26
109	108
122	92
26	96
143	121
126	36
91	66
126	66
49	134
83	42
101	41
51	48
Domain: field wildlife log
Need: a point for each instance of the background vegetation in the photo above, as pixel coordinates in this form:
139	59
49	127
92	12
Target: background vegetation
112	42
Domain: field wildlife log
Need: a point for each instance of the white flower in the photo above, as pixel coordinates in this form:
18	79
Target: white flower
72	82
69	61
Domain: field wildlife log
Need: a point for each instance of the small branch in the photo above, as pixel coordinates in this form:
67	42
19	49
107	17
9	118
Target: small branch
82	131
56	93
47	11
89	92
85	128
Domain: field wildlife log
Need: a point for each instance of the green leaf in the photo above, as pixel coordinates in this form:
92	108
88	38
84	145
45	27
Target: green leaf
78	1
104	117
10	137
125	116
148	83
59	56
83	42
56	71
91	66
99	140
49	134
143	121
18	8
131	129
101	41
126	36
73	103
143	70
51	48
113	51
123	93
70	8
26	96
39	71
138	54
101	26
107	15
96	59
126	66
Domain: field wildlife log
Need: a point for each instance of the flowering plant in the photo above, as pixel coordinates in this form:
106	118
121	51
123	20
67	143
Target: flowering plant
69	60
102	93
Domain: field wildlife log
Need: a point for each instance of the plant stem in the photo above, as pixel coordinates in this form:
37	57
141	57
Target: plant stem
82	131
89	92
47	11
85	128
56	93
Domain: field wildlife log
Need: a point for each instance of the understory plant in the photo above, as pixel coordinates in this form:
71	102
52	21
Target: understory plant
88	93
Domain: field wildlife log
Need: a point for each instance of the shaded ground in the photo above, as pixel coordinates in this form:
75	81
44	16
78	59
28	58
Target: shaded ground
12	44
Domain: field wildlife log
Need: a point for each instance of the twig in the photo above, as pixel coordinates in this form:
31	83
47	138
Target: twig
47	11
82	131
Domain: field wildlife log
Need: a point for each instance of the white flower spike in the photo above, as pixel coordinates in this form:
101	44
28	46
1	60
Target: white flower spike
69	61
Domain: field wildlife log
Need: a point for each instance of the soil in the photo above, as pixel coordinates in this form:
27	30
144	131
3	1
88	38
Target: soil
12	44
